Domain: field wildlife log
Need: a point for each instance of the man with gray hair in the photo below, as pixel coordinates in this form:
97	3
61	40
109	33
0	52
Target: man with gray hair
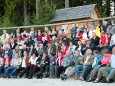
71	69
86	65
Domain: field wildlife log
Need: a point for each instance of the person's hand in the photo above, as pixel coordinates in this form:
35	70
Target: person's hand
84	48
38	65
101	45
68	60
84	64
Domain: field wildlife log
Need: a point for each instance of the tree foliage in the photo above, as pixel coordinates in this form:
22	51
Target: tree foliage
12	11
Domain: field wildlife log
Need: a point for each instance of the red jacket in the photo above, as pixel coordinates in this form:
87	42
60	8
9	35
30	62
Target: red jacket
79	35
40	38
48	38
61	60
64	50
9	61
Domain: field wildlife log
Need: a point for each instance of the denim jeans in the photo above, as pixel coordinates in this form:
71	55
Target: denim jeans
13	72
86	70
8	70
2	68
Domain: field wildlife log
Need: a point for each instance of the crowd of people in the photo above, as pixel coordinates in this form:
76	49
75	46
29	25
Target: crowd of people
88	55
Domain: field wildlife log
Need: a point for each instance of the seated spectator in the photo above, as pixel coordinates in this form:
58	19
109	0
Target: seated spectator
112	42
54	39
15	63
32	31
1	47
1	64
31	37
53	32
40	50
43	63
44	42
25	63
98	31
110	29
88	45
27	43
17	33
108	71
51	48
52	65
35	43
104	62
47	37
17	51
85	34
95	39
78	35
5	64
6	49
73	30
13	44
32	61
4	37
58	48
59	67
32	50
39	36
68	61
86	66
23	48
104	42
64	48
71	69
79	47
72	47
66	40
92	29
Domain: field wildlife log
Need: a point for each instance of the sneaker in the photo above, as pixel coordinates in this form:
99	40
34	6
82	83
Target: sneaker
96	81
76	78
81	78
61	76
89	80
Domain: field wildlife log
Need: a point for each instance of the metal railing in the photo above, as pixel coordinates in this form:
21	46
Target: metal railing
35	26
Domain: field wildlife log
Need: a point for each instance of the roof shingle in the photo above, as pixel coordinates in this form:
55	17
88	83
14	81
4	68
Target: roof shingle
74	13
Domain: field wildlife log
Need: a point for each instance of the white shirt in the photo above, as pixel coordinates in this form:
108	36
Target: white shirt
90	33
85	36
24	62
94	62
72	49
113	39
33	61
87	58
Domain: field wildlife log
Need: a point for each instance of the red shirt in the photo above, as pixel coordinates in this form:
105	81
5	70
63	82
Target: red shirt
40	38
60	60
79	35
9	61
64	50
105	59
103	39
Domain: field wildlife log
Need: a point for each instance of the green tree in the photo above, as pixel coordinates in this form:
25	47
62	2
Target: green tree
46	12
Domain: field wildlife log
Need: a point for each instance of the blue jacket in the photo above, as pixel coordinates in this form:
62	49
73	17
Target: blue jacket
32	39
98	60
10	53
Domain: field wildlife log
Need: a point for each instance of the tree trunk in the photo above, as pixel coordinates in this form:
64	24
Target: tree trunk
100	6
66	3
37	8
25	12
108	8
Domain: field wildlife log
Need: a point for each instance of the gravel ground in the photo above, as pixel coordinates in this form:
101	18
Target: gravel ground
49	82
